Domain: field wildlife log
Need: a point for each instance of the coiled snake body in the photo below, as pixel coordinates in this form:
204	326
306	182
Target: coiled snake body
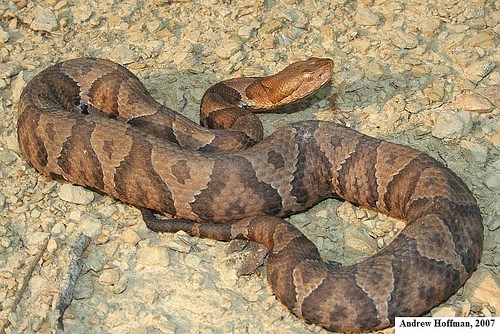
92	123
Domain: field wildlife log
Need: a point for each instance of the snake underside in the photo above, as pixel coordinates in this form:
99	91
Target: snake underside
91	122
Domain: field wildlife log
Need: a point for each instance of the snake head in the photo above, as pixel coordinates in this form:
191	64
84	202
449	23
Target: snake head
312	72
297	81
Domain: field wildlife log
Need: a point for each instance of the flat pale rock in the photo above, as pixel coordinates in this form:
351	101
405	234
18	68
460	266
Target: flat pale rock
109	277
148	256
452	125
130	236
75	194
45	20
492	93
8	70
475	102
482	287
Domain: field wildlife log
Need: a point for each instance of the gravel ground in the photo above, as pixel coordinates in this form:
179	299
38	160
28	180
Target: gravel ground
424	74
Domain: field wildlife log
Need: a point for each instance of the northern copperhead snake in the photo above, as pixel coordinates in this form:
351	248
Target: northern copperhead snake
92	123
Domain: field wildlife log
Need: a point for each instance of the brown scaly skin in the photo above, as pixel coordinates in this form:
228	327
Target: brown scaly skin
91	122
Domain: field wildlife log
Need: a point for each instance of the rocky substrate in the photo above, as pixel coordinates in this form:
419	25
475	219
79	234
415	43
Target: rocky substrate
424	73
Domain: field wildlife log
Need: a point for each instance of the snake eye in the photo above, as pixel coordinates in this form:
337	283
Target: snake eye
307	75
312	63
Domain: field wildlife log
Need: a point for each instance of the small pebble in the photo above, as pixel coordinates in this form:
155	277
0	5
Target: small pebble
475	102
245	32
75	194
360	242
452	125
227	49
58	228
81	12
5	242
45	20
111	248
13	264
445	311
37	238
365	17
8	70
130	236
405	41
152	256
465	308
52	246
91	226
121	285
109	277
4	35
491	93
483	286
492	181
179	246
479	152
478	71
101	239
122	54
270	26
192	260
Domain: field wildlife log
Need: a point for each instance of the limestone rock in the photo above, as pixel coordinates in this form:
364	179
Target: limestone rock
483	286
475	102
109	277
452	124
152	256
44	20
130	236
8	70
75	194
